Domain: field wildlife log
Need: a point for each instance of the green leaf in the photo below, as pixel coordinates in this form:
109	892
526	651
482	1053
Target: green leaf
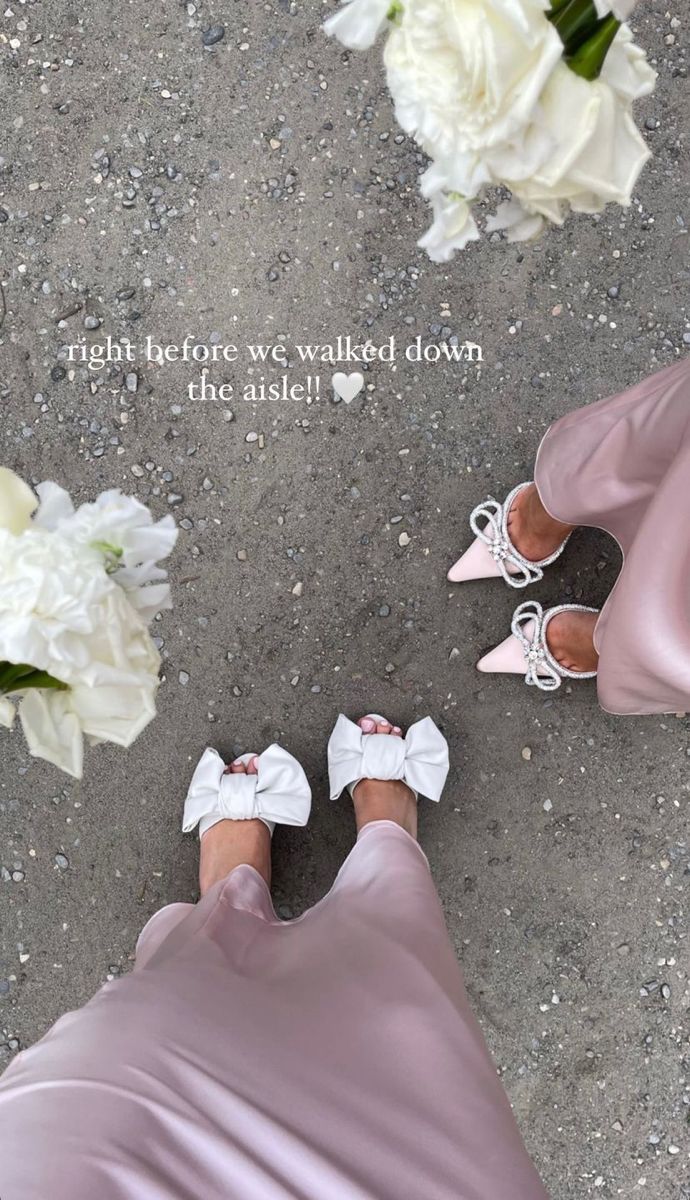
9	672
19	677
395	11
574	22
589	59
108	549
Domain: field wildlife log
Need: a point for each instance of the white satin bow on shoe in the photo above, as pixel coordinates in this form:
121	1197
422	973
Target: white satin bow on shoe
420	759
279	793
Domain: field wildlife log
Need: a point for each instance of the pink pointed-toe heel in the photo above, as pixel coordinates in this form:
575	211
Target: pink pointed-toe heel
526	651
492	553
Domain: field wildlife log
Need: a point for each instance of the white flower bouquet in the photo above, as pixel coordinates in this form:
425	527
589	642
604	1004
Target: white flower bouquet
530	95
77	589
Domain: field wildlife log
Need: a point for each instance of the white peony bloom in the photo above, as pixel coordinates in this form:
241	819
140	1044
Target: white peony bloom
465	75
358	23
50	602
61	612
123	531
76	589
17	502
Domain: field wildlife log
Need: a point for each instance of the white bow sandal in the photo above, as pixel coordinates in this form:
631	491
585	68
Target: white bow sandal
420	758
492	553
526	650
279	793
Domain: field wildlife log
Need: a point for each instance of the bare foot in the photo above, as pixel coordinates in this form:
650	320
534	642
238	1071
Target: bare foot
532	531
570	638
384	799
229	844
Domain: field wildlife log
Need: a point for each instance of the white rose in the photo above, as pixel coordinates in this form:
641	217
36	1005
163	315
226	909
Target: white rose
466	75
17	502
358	23
122	529
594	151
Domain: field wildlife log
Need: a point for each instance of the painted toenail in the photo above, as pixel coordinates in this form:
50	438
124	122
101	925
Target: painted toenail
368	725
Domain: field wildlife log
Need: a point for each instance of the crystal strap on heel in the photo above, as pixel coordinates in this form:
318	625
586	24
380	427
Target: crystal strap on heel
495	536
529	626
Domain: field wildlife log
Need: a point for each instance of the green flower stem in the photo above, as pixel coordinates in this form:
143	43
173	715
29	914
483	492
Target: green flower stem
395	11
17	677
589	59
9	672
556	6
574	22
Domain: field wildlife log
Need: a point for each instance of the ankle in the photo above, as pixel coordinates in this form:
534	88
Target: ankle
539	519
229	844
570	639
385	800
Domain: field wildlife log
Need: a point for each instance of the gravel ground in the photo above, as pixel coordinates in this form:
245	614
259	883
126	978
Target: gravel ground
225	172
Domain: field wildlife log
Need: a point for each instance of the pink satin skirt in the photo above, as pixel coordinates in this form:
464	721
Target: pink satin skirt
333	1057
623	465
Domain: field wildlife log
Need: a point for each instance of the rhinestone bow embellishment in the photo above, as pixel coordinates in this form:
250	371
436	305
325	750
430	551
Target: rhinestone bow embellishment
495	536
529	627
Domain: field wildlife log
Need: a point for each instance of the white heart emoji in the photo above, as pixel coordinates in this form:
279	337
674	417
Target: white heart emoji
347	386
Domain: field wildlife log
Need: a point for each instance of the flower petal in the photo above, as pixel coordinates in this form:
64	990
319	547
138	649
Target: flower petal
358	23
114	714
52	730
17	502
7	713
452	229
55	505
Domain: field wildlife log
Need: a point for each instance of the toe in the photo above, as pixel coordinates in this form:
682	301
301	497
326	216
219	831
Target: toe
396	731
366	724
253	765
384	727
236	768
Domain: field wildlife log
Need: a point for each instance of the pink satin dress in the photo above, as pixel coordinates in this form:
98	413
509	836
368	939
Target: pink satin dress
623	465
333	1057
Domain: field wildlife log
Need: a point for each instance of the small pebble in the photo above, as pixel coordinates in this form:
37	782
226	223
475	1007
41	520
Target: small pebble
213	35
